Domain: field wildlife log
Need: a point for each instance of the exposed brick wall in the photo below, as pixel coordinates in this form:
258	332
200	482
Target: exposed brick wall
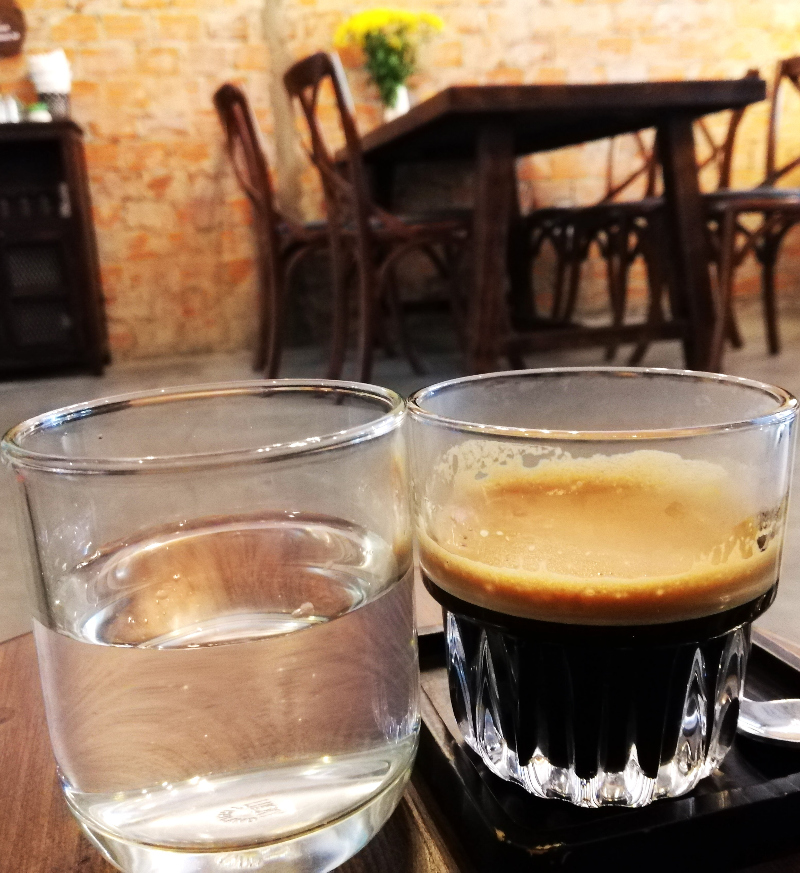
175	248
172	227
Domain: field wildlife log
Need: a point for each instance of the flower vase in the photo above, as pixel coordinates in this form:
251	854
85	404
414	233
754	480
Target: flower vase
402	103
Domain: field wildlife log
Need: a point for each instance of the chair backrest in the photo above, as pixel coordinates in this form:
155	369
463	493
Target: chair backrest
346	193
718	154
786	72
645	170
244	149
252	171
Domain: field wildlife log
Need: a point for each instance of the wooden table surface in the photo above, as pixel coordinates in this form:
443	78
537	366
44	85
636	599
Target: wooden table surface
492	124
39	835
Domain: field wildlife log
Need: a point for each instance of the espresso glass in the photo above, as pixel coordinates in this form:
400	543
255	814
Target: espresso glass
600	540
224	619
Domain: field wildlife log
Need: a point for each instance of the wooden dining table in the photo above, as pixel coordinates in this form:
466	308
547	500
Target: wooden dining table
491	125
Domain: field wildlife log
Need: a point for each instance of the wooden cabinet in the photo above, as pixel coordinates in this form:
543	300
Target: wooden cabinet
51	305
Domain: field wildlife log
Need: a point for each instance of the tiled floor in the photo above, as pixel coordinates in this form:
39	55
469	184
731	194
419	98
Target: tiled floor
22	399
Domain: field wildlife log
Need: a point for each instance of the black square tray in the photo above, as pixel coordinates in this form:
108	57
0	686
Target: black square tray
747	811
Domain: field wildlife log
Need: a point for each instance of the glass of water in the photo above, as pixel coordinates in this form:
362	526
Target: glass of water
224	619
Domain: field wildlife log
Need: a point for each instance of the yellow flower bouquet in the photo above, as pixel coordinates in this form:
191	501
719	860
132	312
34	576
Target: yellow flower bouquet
389	39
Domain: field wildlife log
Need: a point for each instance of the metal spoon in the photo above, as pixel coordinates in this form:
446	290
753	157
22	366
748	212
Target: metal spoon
774	721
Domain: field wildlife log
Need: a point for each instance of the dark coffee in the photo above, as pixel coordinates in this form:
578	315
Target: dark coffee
598	617
582	696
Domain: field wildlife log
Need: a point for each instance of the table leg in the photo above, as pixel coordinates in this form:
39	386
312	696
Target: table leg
686	228
383	184
495	199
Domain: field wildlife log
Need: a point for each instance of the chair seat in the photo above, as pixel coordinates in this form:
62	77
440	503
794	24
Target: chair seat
624	207
591	215
548	215
307	231
752	199
316	225
437	216
420	231
401	229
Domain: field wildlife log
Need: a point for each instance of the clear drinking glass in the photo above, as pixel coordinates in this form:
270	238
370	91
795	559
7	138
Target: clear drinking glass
224	619
600	541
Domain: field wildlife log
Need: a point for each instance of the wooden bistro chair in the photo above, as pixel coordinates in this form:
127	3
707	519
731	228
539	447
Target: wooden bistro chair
715	158
621	230
776	210
281	244
371	240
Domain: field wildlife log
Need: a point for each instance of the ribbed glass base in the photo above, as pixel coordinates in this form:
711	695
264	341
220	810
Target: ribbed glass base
316	851
604	718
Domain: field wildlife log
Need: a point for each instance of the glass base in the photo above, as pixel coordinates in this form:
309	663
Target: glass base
316	851
599	719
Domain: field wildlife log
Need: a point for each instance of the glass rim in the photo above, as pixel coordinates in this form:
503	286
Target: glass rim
786	407
14	453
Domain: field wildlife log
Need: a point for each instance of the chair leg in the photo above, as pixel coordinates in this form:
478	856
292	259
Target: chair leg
563	241
559	279
655	290
516	360
732	330
340	280
519	273
448	265
769	255
657	237
620	306
727	261
617	278
383	314
392	297
260	356
727	257
457	308
654	317
265	320
367	304
272	323
575	258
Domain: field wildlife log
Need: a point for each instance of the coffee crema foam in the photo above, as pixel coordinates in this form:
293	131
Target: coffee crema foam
645	537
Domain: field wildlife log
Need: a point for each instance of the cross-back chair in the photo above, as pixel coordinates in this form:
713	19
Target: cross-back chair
615	226
776	210
715	157
646	231
280	243
623	230
373	240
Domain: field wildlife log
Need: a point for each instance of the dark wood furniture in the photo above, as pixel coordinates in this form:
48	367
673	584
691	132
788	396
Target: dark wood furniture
281	244
371	240
620	228
493	124
775	209
51	306
624	229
